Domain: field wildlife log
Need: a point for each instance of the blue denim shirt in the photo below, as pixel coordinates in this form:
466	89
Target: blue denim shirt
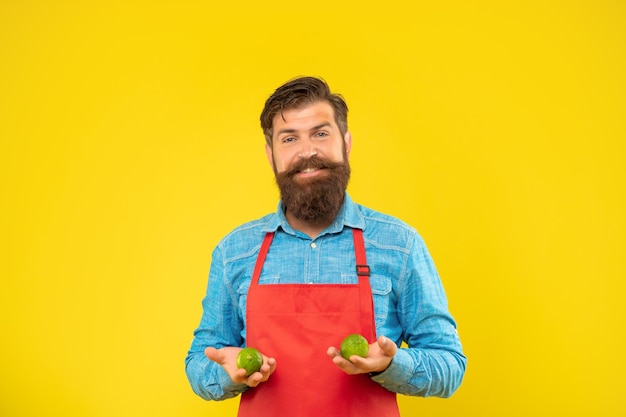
410	304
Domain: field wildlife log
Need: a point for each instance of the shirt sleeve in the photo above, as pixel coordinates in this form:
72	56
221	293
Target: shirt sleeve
433	364
220	326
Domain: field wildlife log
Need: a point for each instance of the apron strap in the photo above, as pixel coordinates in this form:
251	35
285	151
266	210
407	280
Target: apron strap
363	272
362	268
260	260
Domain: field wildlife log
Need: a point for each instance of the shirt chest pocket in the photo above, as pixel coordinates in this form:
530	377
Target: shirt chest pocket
381	293
242	291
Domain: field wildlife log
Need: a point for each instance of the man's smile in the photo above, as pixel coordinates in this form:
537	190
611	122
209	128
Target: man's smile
309	172
309	168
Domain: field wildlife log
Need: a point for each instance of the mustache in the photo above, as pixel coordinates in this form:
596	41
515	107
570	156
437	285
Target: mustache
314	162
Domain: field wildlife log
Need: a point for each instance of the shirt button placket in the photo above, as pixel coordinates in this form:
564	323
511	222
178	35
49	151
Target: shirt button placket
314	262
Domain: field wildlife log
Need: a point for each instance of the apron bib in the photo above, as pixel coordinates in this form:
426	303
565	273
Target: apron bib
296	323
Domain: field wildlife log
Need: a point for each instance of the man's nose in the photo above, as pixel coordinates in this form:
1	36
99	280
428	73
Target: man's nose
308	148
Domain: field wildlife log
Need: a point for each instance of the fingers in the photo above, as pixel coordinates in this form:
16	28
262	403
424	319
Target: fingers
271	364
333	352
263	374
335	355
254	379
350	367
267	368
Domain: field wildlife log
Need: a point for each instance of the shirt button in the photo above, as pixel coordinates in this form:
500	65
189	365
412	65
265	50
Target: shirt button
313	245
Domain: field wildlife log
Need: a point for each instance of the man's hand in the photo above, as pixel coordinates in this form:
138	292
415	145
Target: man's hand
380	354
227	358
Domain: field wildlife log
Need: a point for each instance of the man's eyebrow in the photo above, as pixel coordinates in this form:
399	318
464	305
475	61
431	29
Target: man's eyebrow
317	127
281	131
325	124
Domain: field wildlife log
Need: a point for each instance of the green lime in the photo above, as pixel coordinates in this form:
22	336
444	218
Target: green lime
354	344
249	359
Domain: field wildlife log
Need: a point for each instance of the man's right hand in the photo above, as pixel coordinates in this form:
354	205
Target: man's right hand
227	358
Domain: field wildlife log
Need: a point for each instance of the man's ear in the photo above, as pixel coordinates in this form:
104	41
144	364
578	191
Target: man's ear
347	139
270	158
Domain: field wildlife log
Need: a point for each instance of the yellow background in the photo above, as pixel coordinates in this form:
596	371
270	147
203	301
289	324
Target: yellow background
130	145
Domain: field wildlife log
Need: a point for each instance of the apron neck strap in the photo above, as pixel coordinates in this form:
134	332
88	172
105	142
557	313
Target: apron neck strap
260	260
362	268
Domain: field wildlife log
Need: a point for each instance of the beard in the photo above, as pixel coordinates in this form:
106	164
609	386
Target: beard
314	200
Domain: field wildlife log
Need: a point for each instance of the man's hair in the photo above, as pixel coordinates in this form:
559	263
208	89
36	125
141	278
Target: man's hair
298	93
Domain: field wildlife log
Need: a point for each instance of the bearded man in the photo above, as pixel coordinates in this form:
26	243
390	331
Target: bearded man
295	282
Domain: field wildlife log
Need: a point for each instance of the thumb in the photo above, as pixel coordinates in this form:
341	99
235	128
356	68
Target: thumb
387	346
213	354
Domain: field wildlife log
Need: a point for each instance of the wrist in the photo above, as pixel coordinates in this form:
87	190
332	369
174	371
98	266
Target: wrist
375	373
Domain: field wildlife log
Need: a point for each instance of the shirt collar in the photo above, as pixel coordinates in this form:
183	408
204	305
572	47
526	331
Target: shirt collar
348	216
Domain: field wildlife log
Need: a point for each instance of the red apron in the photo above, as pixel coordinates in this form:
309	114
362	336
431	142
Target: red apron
296	323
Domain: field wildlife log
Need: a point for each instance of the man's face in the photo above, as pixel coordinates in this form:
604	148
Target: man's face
310	159
304	132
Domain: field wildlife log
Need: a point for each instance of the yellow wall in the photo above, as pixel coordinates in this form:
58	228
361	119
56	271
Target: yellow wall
130	145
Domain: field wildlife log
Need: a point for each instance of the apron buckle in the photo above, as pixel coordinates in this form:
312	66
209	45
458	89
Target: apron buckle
363	270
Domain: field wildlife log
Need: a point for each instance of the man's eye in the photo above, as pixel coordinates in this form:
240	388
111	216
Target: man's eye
288	139
321	134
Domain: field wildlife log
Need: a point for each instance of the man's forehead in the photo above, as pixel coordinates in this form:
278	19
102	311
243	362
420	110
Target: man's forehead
319	111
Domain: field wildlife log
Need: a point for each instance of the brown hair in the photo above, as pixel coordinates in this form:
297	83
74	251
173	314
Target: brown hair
298	93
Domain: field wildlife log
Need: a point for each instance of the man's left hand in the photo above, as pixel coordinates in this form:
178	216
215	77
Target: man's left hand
380	354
